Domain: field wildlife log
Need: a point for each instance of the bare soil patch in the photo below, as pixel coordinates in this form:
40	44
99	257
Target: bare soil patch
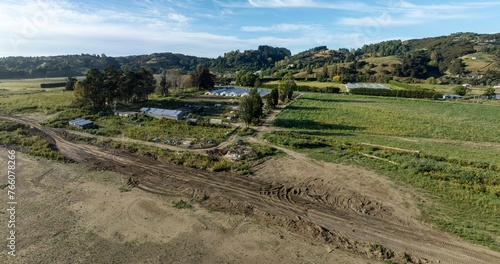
341	207
69	213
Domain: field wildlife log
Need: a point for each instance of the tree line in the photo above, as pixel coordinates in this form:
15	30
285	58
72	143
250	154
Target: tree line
101	89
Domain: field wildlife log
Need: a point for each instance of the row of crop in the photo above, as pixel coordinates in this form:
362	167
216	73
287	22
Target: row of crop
413	93
307	88
476	176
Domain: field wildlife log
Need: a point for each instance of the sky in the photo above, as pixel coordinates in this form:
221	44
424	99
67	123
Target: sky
212	27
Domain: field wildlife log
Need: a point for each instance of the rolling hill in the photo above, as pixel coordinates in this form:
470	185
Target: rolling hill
460	54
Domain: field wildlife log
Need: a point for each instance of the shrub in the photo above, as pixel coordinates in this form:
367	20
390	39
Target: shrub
181	204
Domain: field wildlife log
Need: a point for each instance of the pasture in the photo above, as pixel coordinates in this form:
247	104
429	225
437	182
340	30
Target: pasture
448	151
478	62
393	117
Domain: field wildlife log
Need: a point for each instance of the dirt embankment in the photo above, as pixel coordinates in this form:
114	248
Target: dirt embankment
342	206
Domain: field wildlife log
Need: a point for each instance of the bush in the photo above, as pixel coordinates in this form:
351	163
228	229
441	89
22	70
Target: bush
181	204
461	90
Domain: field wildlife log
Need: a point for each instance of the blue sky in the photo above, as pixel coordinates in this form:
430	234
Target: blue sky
210	28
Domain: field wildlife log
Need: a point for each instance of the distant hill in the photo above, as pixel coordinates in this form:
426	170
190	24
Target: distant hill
469	55
75	65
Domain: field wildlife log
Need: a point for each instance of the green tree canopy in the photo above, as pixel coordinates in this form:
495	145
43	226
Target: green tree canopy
251	107
164	84
100	89
70	83
202	78
286	87
461	90
489	91
246	78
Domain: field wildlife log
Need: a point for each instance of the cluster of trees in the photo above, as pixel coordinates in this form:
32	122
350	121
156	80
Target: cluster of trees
251	106
103	88
252	60
247	78
414	65
202	78
286	87
461	90
385	48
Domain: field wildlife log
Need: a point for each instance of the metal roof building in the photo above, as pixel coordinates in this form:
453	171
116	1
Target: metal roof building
81	123
350	86
237	92
163	113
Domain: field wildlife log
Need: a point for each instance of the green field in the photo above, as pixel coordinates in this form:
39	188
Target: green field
447	150
393	117
478	62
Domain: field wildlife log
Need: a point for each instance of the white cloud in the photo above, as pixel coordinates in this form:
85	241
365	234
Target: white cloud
321	4
278	28
282	3
404	13
50	27
179	18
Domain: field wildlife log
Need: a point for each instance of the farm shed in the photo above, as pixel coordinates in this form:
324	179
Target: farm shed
163	113
237	92
452	96
81	123
126	114
216	121
350	86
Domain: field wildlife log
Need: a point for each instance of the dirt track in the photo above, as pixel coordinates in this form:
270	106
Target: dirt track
339	213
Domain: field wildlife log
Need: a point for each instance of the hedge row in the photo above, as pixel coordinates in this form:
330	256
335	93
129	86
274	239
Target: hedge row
52	85
307	88
414	93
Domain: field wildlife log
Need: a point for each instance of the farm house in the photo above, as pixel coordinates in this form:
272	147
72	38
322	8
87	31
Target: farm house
81	123
163	113
350	86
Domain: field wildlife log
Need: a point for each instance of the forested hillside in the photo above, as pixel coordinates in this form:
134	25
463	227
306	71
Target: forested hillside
76	65
468	55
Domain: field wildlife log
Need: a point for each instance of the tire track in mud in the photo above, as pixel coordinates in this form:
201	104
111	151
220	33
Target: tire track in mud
327	217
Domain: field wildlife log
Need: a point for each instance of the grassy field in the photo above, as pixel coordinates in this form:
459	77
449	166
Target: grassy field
478	62
447	150
386	60
393	117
